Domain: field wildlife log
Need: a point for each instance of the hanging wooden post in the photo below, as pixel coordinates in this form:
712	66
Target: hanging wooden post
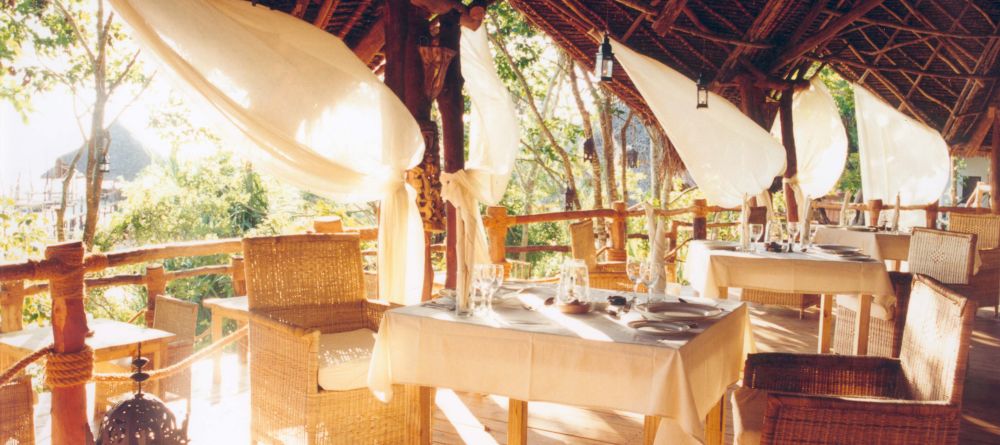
496	223
156	285
931	213
791	166
995	168
11	306
69	330
699	225
619	235
874	211
451	106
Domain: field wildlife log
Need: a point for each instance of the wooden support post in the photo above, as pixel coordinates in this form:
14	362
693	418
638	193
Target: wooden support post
931	213
861	323
671	245
715	424
699	225
791	162
517	422
451	106
12	306
156	285
69	330
649	426
875	207
619	232
496	223
825	323
328	224
239	275
995	168
425	397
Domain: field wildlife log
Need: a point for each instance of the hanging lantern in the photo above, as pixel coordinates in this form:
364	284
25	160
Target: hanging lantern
632	158
105	164
589	152
604	67
570	204
702	92
143	416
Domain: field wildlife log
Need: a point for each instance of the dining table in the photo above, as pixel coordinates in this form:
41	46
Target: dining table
878	244
236	308
713	267
529	351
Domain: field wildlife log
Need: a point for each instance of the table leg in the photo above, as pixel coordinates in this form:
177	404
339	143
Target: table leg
861	323
517	422
715	424
241	345
216	358
156	360
649	426
825	323
723	293
425	395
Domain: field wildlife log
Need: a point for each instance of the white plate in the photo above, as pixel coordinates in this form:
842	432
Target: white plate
659	327
837	249
671	310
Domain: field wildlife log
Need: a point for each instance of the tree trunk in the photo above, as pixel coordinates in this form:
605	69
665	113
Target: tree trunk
624	144
588	133
528	185
64	200
608	139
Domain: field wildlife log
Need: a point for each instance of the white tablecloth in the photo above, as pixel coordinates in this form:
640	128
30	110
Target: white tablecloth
878	245
588	360
710	266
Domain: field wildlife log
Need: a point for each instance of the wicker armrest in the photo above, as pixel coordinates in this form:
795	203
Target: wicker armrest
797	418
282	325
822	374
990	258
375	310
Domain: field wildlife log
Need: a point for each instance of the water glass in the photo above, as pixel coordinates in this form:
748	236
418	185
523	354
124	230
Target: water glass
756	232
496	273
648	273
574	282
813	229
482	284
793	233
632	268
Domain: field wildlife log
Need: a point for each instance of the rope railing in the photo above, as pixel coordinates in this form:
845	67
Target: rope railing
76	368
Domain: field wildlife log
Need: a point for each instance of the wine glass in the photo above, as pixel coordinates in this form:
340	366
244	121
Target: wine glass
756	231
574	283
482	278
813	229
632	268
648	274
496	273
793	233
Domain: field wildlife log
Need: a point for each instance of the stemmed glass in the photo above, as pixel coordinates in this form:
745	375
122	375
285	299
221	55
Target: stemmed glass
793	233
756	231
648	274
812	234
633	268
496	273
482	282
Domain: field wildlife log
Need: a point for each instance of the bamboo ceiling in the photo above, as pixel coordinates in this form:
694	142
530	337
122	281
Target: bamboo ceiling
935	60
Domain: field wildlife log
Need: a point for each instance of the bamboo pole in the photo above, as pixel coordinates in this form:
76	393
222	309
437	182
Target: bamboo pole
619	230
931	215
791	159
156	285
12	306
237	265
496	223
995	168
700	221
69	330
874	211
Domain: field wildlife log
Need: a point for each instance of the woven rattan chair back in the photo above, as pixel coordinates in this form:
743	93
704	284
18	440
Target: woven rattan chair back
935	345
986	228
303	270
177	317
946	256
582	235
17	414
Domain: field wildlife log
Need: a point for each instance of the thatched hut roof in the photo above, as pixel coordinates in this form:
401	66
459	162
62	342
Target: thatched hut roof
935	60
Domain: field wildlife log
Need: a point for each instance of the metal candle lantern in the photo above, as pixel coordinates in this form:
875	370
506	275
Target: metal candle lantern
605	65
142	419
105	163
632	158
589	151
702	92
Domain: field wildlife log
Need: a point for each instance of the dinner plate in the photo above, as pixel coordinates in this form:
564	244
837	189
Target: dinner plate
671	310
837	249
659	327
861	228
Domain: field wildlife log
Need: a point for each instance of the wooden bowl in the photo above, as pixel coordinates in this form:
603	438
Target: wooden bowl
575	307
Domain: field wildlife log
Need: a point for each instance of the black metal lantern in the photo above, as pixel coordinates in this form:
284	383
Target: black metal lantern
141	419
632	158
702	92
589	152
105	164
604	67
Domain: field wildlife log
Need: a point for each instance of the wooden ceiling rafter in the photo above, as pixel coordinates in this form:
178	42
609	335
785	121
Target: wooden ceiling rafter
919	16
299	10
667	15
914	29
762	27
360	9
824	35
325	13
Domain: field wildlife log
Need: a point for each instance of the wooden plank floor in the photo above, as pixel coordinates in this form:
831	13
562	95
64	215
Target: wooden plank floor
221	414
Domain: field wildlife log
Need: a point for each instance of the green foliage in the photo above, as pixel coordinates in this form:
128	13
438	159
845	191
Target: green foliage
842	93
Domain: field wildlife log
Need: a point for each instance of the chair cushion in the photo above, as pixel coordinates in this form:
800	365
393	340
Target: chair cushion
344	358
878	310
748	415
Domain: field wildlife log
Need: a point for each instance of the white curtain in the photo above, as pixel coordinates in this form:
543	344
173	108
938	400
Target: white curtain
319	118
493	141
899	156
820	139
727	154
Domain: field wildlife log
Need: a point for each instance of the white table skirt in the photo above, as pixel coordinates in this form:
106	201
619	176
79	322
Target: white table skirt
583	360
878	245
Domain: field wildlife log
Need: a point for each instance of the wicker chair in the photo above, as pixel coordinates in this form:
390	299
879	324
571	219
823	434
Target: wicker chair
17	421
830	399
986	289
945	256
176	316
609	275
302	288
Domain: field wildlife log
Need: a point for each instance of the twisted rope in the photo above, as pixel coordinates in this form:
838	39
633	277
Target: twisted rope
23	363
69	368
176	368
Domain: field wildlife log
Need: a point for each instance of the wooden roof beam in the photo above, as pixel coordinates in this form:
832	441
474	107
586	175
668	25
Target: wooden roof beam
824	35
325	13
899	69
980	131
372	42
913	29
299	9
668	15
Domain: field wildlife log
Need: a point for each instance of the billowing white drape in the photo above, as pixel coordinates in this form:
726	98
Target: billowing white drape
493	141
820	139
320	119
727	154
898	155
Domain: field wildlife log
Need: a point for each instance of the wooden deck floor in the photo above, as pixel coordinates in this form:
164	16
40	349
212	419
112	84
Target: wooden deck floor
221	414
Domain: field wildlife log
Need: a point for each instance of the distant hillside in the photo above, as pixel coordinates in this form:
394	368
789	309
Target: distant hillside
127	156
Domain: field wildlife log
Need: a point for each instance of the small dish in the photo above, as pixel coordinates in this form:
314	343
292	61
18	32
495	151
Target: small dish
659	327
675	310
575	307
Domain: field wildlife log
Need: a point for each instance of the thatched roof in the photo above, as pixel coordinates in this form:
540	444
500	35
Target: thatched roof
936	60
126	154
